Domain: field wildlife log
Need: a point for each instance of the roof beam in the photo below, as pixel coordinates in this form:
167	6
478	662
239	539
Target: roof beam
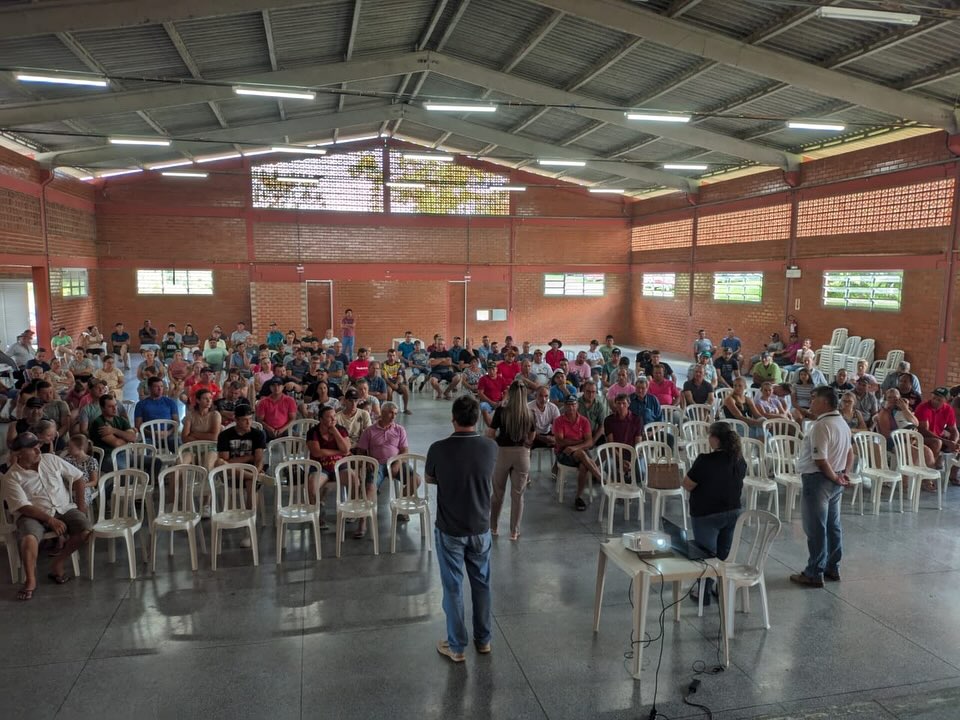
272	54
74	15
348	54
188	94
543	94
541	149
536	37
191	65
687	38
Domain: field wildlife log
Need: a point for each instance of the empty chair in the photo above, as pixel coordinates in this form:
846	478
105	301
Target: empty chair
701	413
182	515
164	437
301	427
756	480
651	451
908	448
871	449
138	456
296	477
352	499
619	481
663	432
744	566
781	426
866	351
233	504
202	453
410	495
784	451
838	338
125	518
849	349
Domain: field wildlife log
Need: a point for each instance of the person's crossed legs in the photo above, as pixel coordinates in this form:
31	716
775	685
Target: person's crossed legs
73	523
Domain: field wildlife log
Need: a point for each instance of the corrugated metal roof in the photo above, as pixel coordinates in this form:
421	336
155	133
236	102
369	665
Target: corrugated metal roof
227	46
249	110
702	92
186	119
311	34
491	31
144	50
555	126
610	137
913	57
820	38
736	18
392	25
646	70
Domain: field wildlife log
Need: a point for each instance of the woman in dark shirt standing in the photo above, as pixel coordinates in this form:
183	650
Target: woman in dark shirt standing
715	482
514	428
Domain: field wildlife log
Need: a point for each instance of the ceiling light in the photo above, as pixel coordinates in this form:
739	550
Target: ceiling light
298	149
428	157
276	93
214	158
185	173
160	142
876	16
446	107
164	166
617	191
114	173
648	117
92	81
358	138
299	180
407	185
683	166
253	153
816	126
504	188
562	163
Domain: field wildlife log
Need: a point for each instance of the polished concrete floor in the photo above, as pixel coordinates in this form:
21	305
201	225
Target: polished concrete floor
355	638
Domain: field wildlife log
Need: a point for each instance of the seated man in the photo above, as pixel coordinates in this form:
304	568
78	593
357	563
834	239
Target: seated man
896	414
937	422
594	408
148	337
491	390
405	347
593	355
607	348
441	370
231	400
662	389
527	378
709	371
727	367
866	400
554	354
383	441
361	366
509	368
787	355
697	390
35	492
841	383
351	418
495	354
376	383
803	354
419	364
580	368
328	340
110	430
654	359
244	444
277	411
892	380
622	426
816	376
81	367
544	413
150	360
773	347
157	406
54	408
525	352
298	366
62	345
274	337
766	370
204	381
169	346
611	369
644	405
574	438
120	344
396	379
540	367
622	385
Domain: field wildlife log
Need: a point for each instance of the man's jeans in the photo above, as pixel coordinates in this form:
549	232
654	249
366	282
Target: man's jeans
348	343
821	523
452	553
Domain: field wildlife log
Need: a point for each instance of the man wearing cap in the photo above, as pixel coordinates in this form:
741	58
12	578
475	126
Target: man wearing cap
22	352
554	354
276	412
709	371
33	413
351	418
540	368
34	491
574	438
594	356
867	402
937	422
727	367
702	344
509	368
766	370
892	380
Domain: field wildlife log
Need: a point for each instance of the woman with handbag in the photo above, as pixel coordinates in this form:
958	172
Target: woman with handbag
715	482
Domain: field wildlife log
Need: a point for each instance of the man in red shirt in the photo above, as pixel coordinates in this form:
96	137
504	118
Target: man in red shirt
359	367
509	368
204	383
937	422
573	439
490	389
276	412
554	354
662	389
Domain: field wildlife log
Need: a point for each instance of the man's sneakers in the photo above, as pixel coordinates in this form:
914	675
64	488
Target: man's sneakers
482	648
831	576
806	580
444	649
580	504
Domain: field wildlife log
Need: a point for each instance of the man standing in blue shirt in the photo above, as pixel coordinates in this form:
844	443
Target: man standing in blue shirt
274	337
702	344
406	347
733	342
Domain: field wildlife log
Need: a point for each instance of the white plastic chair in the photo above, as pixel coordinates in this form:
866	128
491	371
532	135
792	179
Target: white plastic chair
301	427
411	495
234	511
280	450
294	476
784	450
618	464
719	395
162	435
125	519
700	413
908	449
352	502
138	456
756	480
744	568
691	432
871	449
838	339
739	426
8	536
781	426
202	453
183	513
651	451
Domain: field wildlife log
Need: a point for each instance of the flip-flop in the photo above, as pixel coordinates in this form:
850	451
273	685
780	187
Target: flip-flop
59	579
514	536
23	594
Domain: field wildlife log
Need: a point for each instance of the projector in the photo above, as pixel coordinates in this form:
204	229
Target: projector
646	543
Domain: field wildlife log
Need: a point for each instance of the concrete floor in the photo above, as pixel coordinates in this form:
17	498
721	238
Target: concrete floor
354	638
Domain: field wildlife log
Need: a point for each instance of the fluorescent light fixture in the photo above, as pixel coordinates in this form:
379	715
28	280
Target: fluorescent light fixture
358	138
657	117
428	157
504	188
299	180
407	185
253	153
159	142
683	166
462	107
63	79
185	174
164	166
875	16
115	173
816	126
276	93
562	163
303	150
611	191
86	178
214	158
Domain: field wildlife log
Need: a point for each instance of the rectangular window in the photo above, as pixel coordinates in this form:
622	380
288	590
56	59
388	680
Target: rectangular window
573	284
348	182
659	285
483	315
73	283
496	315
175	282
863	290
738	287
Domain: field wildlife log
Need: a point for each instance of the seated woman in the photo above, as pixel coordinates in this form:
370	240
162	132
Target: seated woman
802	395
60	377
190	341
849	412
715	482
769	405
81	367
738	406
202	421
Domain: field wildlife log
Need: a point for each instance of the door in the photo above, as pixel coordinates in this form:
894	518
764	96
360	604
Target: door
16	315
319	311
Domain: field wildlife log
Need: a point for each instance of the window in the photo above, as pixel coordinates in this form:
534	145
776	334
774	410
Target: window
863	290
351	182
738	287
73	283
451	189
659	285
573	284
496	315
175	282
659	236
754	225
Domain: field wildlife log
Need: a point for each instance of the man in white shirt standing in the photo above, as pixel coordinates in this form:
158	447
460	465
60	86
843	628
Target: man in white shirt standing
35	492
825	462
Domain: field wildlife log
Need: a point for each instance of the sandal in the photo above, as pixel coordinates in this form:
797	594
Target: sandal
360	534
515	536
24	594
59	579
